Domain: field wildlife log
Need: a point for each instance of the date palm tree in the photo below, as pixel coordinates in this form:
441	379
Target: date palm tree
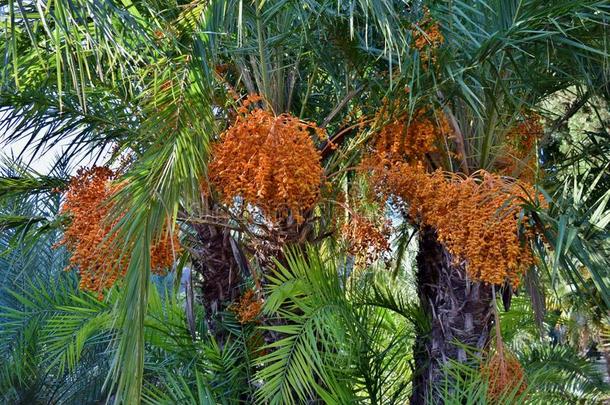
158	79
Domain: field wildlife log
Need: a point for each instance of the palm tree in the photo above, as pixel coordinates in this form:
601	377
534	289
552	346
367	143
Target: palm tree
495	71
157	80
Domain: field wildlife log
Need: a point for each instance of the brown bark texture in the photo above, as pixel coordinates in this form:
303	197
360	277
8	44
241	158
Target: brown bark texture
460	315
214	258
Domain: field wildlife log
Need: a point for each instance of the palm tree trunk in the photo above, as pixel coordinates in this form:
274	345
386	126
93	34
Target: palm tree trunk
460	313
214	258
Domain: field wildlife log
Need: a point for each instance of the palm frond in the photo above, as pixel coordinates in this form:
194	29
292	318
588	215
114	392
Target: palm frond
558	373
167	175
346	336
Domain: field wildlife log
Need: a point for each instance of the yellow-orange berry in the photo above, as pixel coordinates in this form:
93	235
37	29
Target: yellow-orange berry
88	237
504	376
248	307
269	161
366	239
476	217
